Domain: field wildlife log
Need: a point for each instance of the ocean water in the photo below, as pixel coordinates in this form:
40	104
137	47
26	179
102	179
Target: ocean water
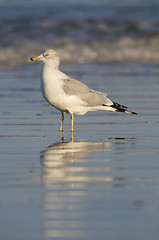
85	31
102	182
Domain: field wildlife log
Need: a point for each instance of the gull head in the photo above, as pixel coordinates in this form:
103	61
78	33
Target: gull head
48	57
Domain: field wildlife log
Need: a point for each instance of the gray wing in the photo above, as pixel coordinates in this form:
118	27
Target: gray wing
91	97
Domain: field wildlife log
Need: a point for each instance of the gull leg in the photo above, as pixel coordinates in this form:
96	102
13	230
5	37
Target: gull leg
61	136
71	136
62	119
72	118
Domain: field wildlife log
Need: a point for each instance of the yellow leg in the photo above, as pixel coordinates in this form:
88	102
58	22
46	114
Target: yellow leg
61	136
62	119
71	136
72	118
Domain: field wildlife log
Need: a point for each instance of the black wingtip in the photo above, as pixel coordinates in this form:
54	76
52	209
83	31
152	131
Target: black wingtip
120	108
134	113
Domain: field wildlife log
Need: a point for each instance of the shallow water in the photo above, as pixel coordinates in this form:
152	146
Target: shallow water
102	185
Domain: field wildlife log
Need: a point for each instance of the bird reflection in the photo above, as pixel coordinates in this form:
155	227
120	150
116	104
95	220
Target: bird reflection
68	161
70	170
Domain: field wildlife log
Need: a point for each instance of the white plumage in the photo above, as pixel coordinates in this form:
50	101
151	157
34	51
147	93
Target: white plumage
70	95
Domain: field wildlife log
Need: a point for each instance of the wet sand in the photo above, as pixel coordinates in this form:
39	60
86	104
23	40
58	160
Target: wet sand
104	184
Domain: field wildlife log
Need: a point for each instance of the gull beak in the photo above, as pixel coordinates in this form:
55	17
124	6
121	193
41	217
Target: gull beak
34	59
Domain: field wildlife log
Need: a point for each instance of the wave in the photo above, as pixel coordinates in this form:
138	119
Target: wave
122	50
79	41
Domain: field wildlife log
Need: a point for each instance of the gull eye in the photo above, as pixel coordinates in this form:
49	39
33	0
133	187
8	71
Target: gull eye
46	55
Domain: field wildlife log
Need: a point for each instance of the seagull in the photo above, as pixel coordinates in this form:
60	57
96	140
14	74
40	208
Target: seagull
69	95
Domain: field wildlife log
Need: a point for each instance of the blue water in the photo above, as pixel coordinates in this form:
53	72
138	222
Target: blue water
105	183
124	10
102	31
